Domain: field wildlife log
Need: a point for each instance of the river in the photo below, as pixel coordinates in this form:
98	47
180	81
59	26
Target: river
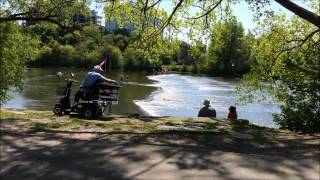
156	95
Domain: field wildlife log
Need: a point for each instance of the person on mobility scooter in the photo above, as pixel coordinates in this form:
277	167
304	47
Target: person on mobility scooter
96	91
88	88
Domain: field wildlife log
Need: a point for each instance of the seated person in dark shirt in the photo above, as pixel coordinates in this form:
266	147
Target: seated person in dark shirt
89	82
207	110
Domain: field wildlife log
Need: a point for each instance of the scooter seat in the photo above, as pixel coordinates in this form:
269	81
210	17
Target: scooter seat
89	96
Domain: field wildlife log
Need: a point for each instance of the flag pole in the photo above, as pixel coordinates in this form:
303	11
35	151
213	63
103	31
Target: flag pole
105	65
109	60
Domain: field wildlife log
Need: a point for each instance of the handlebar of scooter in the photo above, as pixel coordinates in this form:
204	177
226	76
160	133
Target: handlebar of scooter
72	80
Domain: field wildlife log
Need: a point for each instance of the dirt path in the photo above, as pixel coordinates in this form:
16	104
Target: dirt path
62	155
38	145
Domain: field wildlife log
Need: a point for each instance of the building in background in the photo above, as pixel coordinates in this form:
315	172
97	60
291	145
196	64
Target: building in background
112	25
93	18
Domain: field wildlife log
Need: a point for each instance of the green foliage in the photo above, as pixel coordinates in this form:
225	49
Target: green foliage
300	89
287	67
121	41
134	59
53	11
16	49
228	52
115	55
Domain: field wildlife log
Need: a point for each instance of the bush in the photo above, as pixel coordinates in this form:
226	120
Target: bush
135	60
115	55
16	49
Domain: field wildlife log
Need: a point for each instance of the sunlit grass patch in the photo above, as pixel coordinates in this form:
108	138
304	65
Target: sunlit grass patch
24	115
113	126
8	116
170	123
46	126
149	127
210	125
193	128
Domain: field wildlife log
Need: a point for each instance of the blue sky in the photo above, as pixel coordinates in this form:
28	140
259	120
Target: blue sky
240	10
243	13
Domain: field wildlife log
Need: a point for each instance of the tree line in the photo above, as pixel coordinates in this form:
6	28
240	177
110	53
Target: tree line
228	52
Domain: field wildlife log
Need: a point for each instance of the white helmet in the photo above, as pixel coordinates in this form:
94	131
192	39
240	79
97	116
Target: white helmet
97	68
206	102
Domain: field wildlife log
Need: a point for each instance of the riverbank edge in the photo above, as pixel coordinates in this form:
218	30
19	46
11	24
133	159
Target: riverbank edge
200	130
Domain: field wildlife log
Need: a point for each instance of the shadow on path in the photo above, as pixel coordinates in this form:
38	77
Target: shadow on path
46	155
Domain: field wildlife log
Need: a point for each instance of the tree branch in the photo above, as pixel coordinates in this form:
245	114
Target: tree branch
171	16
208	11
154	4
46	18
301	12
145	13
299	45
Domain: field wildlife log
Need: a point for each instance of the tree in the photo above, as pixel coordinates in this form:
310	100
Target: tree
15	50
288	68
227	52
59	12
147	20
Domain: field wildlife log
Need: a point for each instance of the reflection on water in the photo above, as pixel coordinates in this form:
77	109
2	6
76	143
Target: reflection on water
171	94
181	95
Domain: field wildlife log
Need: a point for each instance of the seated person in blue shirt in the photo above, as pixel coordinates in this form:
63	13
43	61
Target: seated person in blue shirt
207	110
91	79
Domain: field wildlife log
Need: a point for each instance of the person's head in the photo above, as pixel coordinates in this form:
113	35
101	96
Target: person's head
97	69
206	102
232	109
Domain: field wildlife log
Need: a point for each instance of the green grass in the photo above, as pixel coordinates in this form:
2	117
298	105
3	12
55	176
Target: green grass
170	123
240	127
149	127
113	126
210	125
224	131
79	122
205	132
262	139
24	115
46	126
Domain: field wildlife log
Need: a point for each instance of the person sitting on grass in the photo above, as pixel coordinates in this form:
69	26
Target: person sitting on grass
207	110
232	116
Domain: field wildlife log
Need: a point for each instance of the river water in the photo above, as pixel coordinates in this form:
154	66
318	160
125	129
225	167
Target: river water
156	95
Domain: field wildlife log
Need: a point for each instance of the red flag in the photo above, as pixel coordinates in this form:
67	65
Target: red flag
104	62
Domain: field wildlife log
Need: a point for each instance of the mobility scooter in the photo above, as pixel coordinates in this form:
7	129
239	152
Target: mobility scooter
92	104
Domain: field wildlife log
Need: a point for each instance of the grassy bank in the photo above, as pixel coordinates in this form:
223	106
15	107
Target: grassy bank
200	129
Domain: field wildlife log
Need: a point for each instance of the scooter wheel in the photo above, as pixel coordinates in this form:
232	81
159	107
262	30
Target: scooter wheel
88	113
57	110
99	113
